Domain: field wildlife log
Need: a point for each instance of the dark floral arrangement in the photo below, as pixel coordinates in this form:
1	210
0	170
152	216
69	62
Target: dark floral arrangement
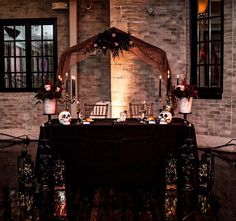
49	91
112	39
185	90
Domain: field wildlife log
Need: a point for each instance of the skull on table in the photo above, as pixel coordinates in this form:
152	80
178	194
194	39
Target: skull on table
165	117
65	118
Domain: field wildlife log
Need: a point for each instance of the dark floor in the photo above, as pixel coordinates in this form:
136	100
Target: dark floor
14	206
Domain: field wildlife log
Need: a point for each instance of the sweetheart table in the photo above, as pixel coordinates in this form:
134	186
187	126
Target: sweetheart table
119	157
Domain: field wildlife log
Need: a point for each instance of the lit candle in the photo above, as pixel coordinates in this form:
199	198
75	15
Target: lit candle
144	105
67	82
160	86
59	79
168	82
73	86
177	79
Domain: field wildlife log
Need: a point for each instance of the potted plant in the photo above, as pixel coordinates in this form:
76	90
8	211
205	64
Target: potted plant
185	93
49	94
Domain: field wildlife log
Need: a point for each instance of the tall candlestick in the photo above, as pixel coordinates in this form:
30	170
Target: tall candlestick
160	86
177	79
168	82
73	86
67	83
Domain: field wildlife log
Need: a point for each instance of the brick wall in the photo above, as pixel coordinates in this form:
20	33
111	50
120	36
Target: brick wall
165	28
18	109
169	30
94	72
131	79
216	117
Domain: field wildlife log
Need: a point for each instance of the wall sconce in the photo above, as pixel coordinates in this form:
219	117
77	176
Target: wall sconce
202	6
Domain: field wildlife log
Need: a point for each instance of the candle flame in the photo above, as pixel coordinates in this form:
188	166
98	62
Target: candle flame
177	76
160	76
168	72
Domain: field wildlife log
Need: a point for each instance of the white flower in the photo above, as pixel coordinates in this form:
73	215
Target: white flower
95	45
58	89
113	35
116	43
181	87
47	87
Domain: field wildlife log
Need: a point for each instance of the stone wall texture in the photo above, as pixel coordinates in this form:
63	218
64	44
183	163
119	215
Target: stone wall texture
164	24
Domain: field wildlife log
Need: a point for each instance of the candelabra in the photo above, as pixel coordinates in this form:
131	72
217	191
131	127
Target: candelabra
160	99
67	100
78	111
168	103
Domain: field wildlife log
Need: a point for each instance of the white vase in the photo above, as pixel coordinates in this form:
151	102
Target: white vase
185	105
49	106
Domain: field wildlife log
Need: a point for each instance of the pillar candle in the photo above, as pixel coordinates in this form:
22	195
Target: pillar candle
73	86
160	86
168	82
67	82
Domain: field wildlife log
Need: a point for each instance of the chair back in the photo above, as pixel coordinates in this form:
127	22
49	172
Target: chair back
96	110
135	109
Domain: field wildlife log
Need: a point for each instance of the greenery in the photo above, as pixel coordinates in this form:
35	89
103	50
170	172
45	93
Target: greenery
185	90
113	39
49	91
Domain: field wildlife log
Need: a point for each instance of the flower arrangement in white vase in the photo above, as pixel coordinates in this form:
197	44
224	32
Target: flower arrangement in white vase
185	93
49	94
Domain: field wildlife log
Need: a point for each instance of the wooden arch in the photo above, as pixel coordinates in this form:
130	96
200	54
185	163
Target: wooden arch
152	55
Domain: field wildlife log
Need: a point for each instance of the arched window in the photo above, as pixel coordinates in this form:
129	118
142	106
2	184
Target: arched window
207	47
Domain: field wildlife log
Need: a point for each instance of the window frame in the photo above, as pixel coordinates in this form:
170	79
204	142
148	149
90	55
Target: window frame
27	23
204	92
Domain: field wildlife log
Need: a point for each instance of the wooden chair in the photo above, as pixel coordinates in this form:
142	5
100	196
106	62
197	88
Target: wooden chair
136	108
96	110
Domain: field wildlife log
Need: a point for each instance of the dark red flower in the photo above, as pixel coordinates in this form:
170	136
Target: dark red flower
185	90
49	91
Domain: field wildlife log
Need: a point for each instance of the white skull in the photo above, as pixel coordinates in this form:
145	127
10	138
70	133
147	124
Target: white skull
64	117
165	117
